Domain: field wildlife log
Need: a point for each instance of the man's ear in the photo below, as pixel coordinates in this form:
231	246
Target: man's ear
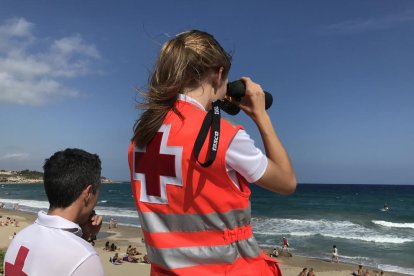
87	193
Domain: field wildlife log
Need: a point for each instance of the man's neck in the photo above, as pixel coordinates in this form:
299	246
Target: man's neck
68	213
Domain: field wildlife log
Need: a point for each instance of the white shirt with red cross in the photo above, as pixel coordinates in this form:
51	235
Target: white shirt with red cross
51	246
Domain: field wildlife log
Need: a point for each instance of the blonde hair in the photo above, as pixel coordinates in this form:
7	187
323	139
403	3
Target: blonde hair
184	62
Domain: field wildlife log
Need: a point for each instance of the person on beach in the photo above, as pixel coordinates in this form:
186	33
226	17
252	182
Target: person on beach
116	259
107	247
335	255
113	223
310	272
285	244
193	201
275	253
303	272
285	247
113	247
56	243
361	271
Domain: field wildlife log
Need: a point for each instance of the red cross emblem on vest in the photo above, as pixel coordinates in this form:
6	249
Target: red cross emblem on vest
157	165
16	269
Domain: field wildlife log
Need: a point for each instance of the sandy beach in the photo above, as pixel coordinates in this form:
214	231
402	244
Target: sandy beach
124	236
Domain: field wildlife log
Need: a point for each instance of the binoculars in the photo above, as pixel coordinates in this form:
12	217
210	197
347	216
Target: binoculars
236	91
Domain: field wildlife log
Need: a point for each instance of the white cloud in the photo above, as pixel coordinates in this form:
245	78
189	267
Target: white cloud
15	157
356	25
31	91
15	35
70	45
16	27
31	72
369	24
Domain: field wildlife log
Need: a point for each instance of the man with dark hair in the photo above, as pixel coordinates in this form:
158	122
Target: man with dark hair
56	244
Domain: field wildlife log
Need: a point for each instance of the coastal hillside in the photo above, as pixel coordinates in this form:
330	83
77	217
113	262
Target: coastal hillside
28	176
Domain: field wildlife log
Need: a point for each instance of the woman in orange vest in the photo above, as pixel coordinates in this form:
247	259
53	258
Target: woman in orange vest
193	198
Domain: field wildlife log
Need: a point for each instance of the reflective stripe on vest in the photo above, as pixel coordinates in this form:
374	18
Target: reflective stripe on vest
180	257
156	222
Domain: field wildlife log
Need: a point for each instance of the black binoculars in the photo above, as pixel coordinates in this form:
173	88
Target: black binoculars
236	90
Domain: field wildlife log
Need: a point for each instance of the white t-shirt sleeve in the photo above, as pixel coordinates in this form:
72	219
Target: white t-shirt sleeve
245	158
91	266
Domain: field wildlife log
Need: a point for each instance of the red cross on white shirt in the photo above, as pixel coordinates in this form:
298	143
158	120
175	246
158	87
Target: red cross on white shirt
16	269
156	166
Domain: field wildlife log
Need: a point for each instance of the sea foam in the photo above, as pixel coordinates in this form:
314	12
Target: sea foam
393	224
331	229
398	269
37	205
116	212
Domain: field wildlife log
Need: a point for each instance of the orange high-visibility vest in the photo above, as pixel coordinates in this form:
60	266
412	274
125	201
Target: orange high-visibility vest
194	220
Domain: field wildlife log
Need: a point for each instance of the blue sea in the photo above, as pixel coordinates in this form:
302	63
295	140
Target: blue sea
313	219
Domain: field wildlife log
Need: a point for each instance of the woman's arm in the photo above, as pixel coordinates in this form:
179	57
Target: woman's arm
279	176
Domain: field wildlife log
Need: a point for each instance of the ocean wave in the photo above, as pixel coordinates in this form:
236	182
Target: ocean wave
37	204
301	234
353	258
116	212
375	238
393	224
129	224
326	228
398	269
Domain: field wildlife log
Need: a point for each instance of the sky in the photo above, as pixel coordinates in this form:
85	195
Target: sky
341	74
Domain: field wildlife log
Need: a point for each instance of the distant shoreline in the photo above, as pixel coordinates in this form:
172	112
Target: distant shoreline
32	177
